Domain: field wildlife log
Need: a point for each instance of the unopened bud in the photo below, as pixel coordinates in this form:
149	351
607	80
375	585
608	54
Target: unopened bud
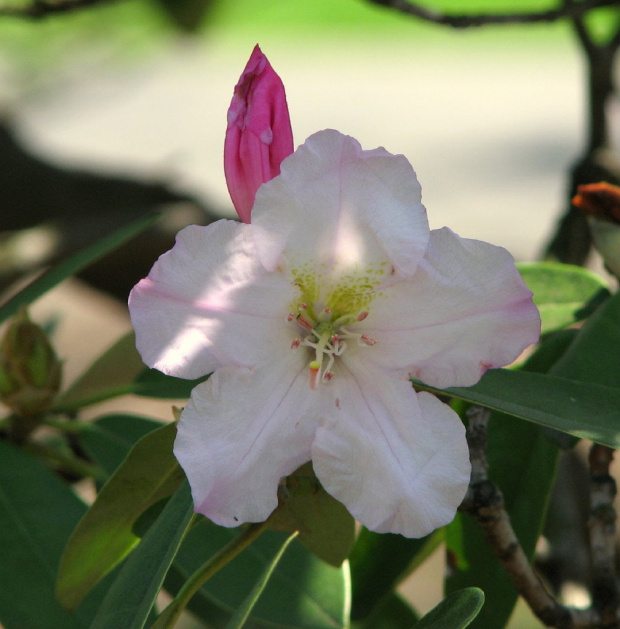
30	372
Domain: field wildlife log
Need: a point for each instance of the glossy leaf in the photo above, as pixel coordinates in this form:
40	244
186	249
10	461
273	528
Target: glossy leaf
585	410
391	613
104	536
303	591
153	383
133	593
593	354
379	562
74	264
37	514
111	375
454	612
245	609
325	527
560	291
112	436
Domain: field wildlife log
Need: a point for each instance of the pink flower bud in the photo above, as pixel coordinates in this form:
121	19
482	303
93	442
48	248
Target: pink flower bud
258	136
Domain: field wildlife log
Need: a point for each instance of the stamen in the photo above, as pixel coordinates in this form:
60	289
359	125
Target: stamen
362	315
367	340
304	323
313	372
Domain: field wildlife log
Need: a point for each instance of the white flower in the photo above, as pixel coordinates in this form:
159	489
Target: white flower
313	318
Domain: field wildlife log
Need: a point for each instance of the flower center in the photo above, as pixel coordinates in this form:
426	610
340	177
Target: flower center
327	337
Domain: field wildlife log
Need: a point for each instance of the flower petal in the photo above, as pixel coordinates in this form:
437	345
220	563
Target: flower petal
465	310
337	207
398	461
242	431
209	302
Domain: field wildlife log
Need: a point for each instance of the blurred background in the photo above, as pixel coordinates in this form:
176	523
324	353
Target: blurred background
111	110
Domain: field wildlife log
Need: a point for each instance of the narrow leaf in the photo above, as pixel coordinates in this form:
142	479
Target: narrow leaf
585	410
104	535
243	611
454	612
111	375
73	265
112	436
133	593
303	592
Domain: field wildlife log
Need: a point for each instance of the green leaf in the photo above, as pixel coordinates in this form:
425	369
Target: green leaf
153	383
133	593
104	535
325	526
391	613
37	514
243	611
303	592
454	612
72	265
380	561
593	354
110	438
111	375
560	291
585	410
120	371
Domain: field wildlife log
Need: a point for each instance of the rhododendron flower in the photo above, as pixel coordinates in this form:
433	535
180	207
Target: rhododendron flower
258	136
313	318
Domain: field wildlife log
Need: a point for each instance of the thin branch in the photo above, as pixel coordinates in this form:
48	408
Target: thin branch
567	10
39	9
602	525
485	502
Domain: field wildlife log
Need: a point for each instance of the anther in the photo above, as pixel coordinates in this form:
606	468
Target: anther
328	375
362	315
334	340
327	310
367	340
291	316
295	344
303	305
313	372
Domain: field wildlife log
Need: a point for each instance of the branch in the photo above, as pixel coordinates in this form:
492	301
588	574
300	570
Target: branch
567	10
602	525
485	502
39	9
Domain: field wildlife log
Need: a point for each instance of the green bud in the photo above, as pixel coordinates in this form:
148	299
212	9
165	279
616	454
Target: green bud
30	372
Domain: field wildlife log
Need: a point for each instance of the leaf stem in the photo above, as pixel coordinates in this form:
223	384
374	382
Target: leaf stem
170	615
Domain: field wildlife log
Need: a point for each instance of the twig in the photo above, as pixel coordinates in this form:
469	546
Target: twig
39	9
485	502
602	525
567	10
